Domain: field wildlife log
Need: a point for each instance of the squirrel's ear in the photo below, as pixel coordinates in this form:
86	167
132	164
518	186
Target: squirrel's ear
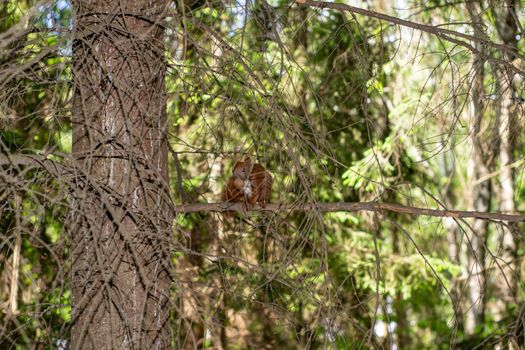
248	163
238	164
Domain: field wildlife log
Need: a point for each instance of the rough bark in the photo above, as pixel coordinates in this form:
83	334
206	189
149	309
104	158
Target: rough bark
120	226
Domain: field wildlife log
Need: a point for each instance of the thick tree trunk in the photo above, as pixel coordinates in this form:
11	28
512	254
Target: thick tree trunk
120	226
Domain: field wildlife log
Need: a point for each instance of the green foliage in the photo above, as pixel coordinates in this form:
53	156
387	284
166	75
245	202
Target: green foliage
332	107
30	123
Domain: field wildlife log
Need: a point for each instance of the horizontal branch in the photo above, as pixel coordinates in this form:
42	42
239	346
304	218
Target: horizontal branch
49	165
351	206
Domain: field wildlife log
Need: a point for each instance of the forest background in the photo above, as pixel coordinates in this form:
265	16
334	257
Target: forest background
414	104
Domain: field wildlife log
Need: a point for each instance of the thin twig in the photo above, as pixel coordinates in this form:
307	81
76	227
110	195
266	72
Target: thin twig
443	33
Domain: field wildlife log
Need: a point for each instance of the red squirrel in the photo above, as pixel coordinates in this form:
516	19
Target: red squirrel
250	184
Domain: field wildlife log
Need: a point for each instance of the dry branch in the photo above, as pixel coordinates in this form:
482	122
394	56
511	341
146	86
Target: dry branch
351	206
442	33
54	167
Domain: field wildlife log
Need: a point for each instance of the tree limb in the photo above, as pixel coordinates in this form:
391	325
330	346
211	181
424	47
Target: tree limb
49	165
443	33
349	207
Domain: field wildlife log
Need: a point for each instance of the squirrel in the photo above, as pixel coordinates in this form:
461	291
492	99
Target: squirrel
250	184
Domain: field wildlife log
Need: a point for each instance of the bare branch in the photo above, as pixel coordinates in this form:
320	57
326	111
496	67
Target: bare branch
322	207
351	206
442	33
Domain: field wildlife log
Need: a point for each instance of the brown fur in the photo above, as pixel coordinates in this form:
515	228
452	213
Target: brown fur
251	184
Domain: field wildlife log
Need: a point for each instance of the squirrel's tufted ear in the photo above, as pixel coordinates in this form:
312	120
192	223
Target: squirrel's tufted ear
238	166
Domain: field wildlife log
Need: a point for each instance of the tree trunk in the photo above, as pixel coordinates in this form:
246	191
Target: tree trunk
506	275
506	283
447	167
403	338
482	192
120	225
